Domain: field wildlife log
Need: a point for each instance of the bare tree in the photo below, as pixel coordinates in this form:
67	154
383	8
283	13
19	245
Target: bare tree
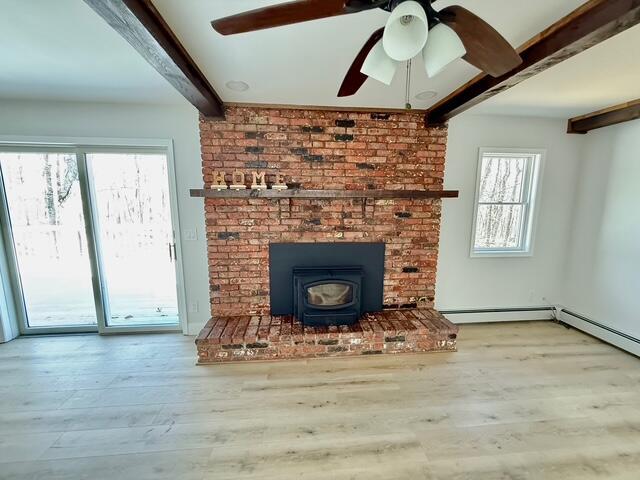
64	176
49	201
67	177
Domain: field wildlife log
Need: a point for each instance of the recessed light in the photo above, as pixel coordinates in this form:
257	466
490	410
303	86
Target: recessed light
237	86
428	95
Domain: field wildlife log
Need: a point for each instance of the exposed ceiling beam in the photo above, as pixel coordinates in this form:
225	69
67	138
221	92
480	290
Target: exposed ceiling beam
334	108
140	23
590	24
625	112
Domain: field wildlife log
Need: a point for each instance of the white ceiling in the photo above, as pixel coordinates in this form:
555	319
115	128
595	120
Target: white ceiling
603	76
304	64
62	50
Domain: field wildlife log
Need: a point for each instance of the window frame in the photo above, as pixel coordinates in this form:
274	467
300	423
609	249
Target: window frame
532	185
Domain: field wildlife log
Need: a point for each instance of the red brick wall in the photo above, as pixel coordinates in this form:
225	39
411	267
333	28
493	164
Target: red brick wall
322	150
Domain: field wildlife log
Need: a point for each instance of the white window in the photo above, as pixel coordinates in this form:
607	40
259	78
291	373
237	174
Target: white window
505	201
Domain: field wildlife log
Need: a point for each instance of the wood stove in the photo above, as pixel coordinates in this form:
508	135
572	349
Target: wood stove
325	284
327	296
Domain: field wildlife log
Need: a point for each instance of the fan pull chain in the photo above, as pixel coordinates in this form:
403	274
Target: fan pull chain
407	95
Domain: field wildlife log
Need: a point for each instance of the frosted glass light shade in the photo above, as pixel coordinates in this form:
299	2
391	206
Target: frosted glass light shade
406	31
378	65
443	47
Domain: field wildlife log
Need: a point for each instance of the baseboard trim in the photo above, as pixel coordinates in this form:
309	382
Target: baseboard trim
607	334
490	315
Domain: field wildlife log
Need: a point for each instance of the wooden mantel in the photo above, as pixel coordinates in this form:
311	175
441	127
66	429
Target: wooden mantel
323	194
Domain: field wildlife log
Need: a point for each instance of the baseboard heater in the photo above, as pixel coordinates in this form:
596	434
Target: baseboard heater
497	310
498	314
600	325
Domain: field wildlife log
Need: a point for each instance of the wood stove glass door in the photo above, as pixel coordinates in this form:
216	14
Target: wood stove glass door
329	295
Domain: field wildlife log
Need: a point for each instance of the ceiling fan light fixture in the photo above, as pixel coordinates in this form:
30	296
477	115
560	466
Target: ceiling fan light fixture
378	65
406	31
443	47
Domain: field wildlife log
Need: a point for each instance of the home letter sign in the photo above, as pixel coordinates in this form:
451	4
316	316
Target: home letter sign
258	181
237	182
279	185
218	181
238	178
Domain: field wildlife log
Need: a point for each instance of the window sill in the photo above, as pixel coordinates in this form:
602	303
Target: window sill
501	253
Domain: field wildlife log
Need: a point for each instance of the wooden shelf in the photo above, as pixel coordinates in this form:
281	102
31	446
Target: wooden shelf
323	194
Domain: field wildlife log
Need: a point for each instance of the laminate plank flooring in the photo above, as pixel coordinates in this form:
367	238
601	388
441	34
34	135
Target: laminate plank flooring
529	400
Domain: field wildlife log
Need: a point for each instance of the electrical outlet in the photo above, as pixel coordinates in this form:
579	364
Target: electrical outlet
190	234
193	307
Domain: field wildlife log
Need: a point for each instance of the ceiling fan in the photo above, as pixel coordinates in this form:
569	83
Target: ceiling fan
414	27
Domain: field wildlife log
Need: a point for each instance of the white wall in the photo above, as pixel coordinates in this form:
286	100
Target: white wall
505	282
599	220
179	123
602	276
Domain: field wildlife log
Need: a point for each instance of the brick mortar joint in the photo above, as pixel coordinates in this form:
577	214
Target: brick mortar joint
263	138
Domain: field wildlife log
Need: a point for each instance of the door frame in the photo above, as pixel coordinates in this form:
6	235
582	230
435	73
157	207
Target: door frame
80	146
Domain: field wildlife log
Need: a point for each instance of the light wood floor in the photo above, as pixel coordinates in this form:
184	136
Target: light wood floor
518	401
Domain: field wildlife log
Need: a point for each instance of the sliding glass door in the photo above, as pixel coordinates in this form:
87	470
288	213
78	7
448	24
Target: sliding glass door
91	239
135	234
44	203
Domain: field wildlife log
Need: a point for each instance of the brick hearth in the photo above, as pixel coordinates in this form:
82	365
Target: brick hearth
332	151
266	337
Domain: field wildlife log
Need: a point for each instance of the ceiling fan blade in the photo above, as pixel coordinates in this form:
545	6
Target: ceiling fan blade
486	48
279	15
355	78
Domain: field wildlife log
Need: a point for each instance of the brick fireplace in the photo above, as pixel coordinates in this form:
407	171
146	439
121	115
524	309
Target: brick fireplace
320	150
